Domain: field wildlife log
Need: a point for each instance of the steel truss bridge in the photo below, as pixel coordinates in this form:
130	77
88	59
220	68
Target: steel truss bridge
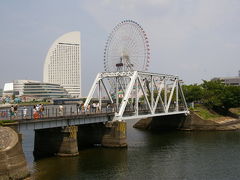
137	95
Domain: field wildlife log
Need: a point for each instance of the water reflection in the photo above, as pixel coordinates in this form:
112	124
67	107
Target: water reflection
108	163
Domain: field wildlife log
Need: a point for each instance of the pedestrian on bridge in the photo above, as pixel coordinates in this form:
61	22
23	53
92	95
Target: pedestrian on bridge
94	107
108	107
24	112
41	110
60	110
79	107
98	108
15	110
35	112
11	112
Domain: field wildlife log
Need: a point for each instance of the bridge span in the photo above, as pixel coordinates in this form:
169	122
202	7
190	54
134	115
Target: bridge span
113	99
157	94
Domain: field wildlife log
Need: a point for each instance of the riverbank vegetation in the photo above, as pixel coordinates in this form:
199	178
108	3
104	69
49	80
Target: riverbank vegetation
214	96
2	122
205	113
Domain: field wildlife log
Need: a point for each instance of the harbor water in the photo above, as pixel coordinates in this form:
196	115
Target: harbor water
150	155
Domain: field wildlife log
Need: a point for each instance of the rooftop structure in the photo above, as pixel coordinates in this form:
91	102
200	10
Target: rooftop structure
37	89
63	63
8	89
234	81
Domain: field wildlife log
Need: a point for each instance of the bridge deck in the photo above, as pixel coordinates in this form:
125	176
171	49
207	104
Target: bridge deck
52	118
61	121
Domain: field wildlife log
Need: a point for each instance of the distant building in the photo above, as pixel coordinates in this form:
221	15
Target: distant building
234	81
8	89
63	63
35	89
1	92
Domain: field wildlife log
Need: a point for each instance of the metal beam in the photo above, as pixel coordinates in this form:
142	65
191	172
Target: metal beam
170	97
92	90
139	79
126	95
109	96
153	115
145	94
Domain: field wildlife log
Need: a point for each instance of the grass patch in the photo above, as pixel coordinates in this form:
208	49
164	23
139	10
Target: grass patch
6	121
204	113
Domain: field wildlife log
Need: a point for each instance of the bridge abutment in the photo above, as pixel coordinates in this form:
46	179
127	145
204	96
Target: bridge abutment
115	134
170	122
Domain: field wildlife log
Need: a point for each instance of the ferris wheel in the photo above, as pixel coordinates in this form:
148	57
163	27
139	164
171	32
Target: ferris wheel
127	48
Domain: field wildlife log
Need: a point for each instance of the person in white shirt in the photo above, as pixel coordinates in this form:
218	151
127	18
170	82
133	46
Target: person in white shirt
24	112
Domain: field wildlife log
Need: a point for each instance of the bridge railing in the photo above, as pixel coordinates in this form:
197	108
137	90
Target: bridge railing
73	110
52	112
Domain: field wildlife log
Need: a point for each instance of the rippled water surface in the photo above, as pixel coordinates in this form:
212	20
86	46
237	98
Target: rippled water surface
150	155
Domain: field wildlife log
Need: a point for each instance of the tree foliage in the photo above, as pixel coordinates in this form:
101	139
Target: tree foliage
213	94
193	93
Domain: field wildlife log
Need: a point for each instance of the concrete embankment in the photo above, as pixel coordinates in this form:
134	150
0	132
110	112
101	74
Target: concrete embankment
190	122
12	160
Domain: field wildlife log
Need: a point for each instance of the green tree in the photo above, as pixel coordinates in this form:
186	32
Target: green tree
193	93
214	95
219	96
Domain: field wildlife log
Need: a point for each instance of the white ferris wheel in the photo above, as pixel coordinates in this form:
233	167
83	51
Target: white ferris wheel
127	48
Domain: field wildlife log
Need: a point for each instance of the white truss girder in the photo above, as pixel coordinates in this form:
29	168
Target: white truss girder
158	93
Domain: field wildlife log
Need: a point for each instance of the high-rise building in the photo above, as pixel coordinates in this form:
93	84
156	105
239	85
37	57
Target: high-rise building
63	63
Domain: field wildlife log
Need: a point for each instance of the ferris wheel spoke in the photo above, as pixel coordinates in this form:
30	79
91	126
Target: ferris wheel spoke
133	43
132	40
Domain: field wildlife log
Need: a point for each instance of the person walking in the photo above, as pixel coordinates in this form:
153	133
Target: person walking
37	107
35	112
24	112
79	108
15	110
60	110
107	107
97	107
94	106
11	112
41	110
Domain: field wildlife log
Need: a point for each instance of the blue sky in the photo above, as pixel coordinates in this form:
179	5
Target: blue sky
195	39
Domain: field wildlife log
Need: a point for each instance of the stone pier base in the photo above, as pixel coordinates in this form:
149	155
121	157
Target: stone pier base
115	134
69	145
12	160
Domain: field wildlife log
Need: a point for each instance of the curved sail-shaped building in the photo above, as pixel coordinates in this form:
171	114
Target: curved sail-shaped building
63	63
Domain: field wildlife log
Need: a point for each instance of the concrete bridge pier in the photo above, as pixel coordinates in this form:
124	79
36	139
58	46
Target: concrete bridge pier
69	144
115	134
56	141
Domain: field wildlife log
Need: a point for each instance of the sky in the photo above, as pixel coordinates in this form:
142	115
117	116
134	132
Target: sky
194	39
